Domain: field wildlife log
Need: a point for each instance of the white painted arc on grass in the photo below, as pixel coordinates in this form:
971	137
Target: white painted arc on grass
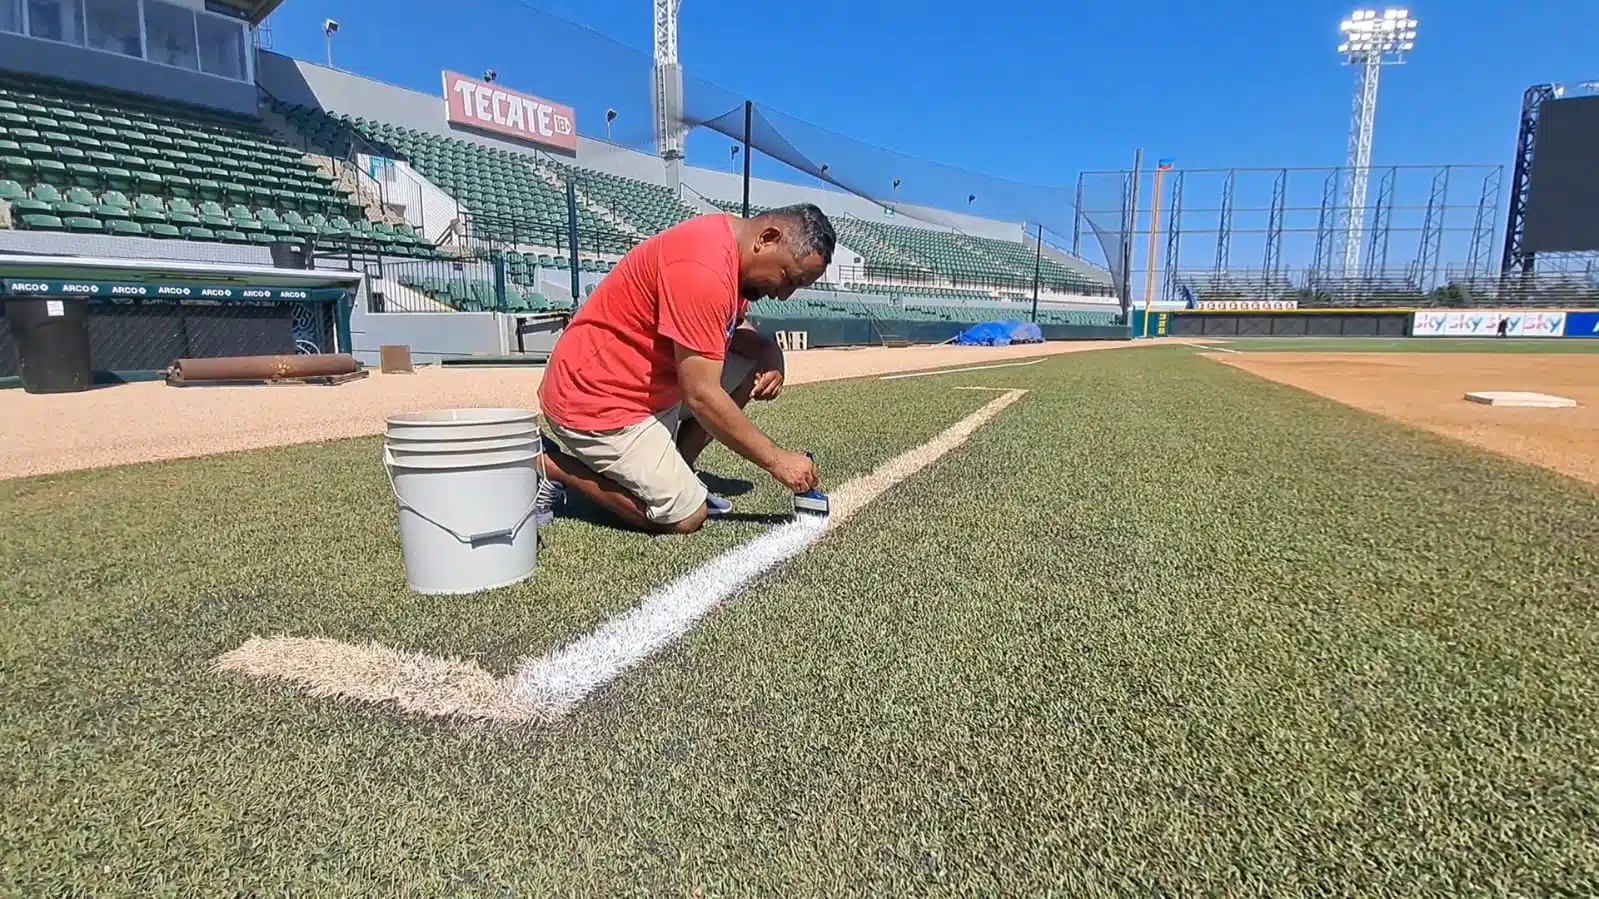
1213	347
955	371
546	688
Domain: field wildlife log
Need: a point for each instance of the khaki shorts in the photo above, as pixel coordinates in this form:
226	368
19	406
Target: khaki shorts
643	459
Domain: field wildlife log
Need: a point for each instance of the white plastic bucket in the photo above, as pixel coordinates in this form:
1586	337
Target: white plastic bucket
465	499
462	424
411	449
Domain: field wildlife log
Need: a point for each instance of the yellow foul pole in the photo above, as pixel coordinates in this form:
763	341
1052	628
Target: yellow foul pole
1154	241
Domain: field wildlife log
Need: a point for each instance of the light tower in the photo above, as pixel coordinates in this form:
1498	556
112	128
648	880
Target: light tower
1370	42
668	83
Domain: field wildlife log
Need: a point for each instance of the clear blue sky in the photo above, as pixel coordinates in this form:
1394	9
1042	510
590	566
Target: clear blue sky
1024	90
1033	91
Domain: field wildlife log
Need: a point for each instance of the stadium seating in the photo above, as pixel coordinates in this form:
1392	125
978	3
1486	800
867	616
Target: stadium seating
90	160
899	250
844	307
907	252
649	208
942	293
513	192
477	295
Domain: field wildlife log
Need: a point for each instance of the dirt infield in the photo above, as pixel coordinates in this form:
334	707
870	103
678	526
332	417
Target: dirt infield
1428	390
143	422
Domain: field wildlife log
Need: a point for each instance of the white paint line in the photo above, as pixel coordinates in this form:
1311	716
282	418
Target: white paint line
1209	348
546	688
559	681
951	371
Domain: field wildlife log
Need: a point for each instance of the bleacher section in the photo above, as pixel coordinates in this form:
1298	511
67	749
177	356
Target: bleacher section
477	295
846	308
649	208
911	254
504	186
899	251
87	160
940	293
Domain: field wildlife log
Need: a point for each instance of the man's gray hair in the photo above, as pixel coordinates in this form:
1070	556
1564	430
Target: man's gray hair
809	230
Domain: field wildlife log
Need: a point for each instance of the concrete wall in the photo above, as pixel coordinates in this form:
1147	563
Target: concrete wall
57	243
430	335
36	57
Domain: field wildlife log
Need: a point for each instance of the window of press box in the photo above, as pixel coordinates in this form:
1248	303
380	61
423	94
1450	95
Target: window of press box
222	48
169	32
172	35
56	20
113	26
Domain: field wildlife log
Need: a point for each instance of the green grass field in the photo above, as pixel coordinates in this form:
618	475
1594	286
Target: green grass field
1406	345
1159	629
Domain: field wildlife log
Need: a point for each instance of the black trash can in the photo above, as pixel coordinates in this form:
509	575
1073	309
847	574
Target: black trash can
52	340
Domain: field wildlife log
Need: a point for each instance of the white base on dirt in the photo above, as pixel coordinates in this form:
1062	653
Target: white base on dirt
1520	398
465	481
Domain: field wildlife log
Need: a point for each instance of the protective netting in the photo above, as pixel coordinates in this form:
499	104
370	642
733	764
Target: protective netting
611	86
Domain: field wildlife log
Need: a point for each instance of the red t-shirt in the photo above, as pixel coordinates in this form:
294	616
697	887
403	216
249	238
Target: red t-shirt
615	365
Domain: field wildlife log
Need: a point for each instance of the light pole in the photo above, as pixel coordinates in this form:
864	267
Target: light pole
329	29
1370	42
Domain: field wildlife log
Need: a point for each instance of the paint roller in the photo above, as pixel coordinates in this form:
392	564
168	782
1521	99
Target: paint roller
813	501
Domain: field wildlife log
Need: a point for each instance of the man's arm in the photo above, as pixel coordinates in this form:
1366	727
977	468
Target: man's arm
700	378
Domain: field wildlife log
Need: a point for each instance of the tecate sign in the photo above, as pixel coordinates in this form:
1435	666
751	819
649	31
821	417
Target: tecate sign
489	107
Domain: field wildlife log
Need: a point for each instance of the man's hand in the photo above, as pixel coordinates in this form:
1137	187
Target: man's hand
768	384
795	471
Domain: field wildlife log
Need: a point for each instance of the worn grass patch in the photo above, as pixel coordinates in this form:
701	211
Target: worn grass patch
1162	628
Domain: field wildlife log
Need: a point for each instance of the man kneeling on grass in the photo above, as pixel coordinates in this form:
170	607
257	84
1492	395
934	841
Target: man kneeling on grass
661	359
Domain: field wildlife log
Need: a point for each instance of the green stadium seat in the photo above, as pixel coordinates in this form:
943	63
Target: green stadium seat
149	208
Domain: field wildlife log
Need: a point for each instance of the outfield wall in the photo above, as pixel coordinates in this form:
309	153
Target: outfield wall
833	332
1273	323
1423	323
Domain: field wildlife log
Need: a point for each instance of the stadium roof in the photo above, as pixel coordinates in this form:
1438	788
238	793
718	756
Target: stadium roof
252	10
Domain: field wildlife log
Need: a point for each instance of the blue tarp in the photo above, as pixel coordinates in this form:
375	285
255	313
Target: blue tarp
1000	334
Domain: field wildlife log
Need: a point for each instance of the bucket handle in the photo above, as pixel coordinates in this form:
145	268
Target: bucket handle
388	470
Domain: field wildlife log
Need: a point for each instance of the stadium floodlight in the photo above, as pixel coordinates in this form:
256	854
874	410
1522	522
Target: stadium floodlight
1369	42
330	27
